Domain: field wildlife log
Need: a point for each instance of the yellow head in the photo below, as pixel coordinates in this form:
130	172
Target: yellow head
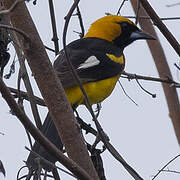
116	29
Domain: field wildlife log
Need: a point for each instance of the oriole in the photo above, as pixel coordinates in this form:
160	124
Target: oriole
99	61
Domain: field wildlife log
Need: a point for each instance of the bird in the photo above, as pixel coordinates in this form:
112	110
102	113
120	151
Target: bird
99	60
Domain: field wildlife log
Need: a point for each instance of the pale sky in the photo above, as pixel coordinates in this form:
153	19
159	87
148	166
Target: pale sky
142	134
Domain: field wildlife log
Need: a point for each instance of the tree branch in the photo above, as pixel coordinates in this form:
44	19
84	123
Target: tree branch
51	88
68	163
163	69
165	166
24	95
147	17
80	22
167	80
53	22
164	30
25	77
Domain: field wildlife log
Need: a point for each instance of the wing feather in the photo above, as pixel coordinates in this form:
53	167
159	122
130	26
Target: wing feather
79	52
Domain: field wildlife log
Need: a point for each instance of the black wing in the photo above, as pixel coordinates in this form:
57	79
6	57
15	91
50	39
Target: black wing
78	52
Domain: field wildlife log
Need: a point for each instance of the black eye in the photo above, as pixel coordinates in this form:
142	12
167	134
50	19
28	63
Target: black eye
124	27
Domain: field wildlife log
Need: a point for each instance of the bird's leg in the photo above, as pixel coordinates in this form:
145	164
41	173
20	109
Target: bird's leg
98	108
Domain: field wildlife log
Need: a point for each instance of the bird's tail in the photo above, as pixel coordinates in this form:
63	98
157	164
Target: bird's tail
49	130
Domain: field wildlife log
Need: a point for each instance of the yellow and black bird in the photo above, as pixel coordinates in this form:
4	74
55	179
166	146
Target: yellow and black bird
99	61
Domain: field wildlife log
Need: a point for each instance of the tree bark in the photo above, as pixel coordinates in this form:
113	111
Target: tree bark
163	69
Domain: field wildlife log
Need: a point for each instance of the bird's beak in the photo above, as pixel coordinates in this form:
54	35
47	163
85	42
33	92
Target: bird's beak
140	35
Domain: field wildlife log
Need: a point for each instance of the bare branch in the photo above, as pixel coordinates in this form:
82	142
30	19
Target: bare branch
166	166
153	95
50	49
2	170
163	70
167	80
68	163
164	30
80	22
146	17
171	171
172	5
2	134
137	12
177	66
24	75
121	5
53	23
126	93
24	95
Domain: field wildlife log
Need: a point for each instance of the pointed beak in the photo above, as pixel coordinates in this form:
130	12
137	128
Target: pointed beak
140	35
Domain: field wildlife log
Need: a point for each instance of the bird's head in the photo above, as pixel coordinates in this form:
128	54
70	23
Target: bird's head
117	29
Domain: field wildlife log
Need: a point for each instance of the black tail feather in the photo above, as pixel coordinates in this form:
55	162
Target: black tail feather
49	130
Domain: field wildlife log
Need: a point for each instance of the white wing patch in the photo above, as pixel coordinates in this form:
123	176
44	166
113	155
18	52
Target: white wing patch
90	62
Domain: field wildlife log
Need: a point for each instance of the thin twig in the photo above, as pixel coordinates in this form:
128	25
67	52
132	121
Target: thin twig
153	95
24	75
171	171
50	49
126	93
172	5
121	5
80	22
2	134
177	66
148	78
53	23
137	12
17	177
165	166
162	27
24	95
86	127
146	17
2	169
163	69
29	89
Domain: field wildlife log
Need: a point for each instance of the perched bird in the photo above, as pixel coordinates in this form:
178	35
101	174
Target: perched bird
99	61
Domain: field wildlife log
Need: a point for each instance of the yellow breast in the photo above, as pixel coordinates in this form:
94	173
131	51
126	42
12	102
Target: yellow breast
96	91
